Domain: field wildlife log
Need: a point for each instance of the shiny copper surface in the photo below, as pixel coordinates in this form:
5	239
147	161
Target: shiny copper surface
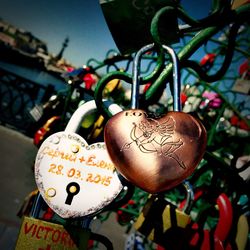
155	154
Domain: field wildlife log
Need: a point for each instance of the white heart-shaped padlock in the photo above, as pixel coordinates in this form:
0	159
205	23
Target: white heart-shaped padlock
74	178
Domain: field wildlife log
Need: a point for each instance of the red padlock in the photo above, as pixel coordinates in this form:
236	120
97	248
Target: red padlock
208	61
222	230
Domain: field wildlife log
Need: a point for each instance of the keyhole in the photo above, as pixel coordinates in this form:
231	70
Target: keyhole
72	189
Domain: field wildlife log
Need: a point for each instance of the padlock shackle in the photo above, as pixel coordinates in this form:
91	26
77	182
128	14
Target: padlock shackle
36	207
176	76
190	197
135	77
86	109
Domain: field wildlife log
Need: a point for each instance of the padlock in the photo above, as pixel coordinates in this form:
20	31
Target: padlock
154	152
39	234
242	232
129	22
216	238
27	204
98	126
76	179
242	84
163	222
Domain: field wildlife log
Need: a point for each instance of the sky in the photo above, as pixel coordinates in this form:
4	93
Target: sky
81	20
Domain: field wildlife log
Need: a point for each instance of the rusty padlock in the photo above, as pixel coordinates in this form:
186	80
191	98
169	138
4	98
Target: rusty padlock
76	179
163	222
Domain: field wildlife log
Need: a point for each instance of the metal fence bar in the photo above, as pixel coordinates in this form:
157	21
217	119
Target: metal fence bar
18	96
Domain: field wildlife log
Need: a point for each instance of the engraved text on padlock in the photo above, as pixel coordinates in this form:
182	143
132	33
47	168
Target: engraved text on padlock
74	178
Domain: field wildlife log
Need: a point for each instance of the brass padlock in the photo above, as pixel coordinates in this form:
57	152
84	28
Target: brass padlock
39	234
162	222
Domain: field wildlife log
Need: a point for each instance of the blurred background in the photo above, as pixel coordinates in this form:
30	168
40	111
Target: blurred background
81	21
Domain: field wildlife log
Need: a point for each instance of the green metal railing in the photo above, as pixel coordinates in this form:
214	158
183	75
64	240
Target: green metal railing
225	34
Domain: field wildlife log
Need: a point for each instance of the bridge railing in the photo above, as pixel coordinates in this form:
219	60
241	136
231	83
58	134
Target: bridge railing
18	96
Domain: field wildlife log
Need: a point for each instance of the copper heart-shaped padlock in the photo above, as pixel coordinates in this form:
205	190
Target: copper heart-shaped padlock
155	153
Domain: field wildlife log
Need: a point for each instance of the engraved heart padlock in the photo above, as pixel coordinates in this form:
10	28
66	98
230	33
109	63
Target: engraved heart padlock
155	153
76	179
